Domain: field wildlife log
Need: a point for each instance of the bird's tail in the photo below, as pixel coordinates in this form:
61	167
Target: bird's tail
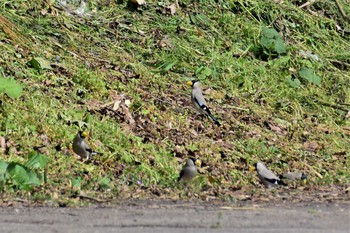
214	119
94	152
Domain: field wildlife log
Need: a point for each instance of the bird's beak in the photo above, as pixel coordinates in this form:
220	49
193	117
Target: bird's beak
252	168
189	83
198	163
84	134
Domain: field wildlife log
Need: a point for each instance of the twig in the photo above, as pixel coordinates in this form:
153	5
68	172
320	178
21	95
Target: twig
313	170
341	10
339	62
307	4
330	105
346	104
3	74
238	108
92	198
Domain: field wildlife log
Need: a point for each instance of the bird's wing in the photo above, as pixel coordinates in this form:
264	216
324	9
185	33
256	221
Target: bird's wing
88	149
207	111
202	106
181	174
275	181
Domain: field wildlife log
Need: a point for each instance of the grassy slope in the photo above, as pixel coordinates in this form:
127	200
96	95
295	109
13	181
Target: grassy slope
147	55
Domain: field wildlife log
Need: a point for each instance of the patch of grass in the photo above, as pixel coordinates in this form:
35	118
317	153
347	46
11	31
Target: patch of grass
120	73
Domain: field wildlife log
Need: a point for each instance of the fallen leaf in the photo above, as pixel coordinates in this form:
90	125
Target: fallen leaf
2	142
347	115
116	105
310	146
127	114
172	9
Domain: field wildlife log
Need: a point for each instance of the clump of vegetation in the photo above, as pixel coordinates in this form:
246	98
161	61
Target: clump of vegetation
276	75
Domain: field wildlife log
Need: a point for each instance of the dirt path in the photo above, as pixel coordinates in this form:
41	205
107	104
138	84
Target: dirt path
174	217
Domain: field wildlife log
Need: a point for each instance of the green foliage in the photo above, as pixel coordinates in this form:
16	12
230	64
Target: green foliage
310	76
82	72
272	41
203	72
293	82
10	87
24	177
37	161
39	63
76	182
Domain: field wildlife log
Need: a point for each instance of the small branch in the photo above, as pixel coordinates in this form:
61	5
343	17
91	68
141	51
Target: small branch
92	198
3	74
330	105
339	62
346	104
313	170
307	4
341	9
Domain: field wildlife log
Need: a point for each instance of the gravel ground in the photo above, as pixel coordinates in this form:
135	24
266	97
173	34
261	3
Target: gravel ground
171	217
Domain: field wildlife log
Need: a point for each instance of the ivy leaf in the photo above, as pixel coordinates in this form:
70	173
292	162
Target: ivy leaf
207	72
309	75
293	82
76	183
40	63
18	173
3	168
37	161
10	87
272	41
34	178
104	182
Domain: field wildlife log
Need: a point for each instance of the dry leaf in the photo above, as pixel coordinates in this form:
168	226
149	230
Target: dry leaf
127	102
2	142
127	114
172	9
310	146
116	105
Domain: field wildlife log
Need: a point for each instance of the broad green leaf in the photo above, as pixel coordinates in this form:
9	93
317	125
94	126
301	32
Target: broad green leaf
105	182
76	183
168	66
3	84
309	75
10	87
207	72
18	174
280	47
199	70
34	179
293	82
272	41
37	161
3	168
40	63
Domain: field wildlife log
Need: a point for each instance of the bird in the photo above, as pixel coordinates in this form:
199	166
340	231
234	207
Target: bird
189	171
294	176
81	148
199	102
267	177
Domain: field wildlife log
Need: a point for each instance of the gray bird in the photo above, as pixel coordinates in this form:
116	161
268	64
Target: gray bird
267	177
189	171
198	100
294	176
81	148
